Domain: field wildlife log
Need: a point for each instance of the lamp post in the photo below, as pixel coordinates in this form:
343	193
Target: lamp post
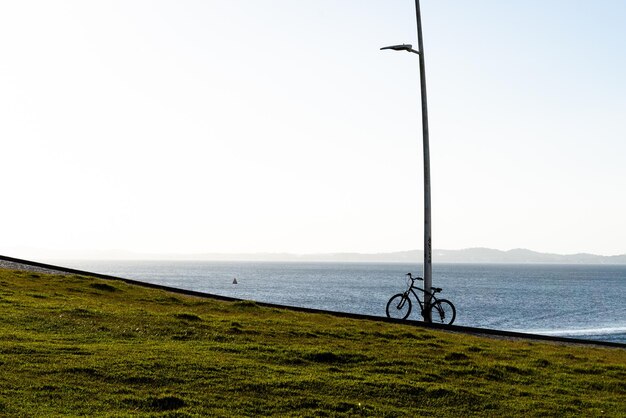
428	266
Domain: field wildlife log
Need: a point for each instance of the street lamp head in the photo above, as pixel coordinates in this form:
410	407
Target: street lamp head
403	47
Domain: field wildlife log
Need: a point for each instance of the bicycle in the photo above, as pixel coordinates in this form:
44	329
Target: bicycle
442	311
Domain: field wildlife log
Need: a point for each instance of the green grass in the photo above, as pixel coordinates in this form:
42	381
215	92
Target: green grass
72	345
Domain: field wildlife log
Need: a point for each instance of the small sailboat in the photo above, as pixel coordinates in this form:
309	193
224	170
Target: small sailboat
235	280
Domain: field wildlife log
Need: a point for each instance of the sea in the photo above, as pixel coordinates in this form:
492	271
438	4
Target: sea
578	301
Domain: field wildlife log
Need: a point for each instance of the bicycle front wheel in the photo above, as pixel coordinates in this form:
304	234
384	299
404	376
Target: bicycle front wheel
399	306
442	312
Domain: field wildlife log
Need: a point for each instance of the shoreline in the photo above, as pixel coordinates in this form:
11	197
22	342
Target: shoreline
26	265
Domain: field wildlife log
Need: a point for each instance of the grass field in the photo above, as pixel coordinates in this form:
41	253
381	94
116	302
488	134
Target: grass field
72	345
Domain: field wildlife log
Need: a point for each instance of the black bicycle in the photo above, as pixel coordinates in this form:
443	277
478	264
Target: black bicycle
442	311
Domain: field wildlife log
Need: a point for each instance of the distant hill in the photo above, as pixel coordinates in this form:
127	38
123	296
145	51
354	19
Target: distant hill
487	255
469	255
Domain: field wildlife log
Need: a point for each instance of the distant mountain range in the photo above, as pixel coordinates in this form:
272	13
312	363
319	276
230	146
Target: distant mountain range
470	255
487	255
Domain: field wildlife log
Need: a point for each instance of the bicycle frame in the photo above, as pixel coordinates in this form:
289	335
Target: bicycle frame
412	288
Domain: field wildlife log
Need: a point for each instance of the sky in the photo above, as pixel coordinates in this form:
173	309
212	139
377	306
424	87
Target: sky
239	126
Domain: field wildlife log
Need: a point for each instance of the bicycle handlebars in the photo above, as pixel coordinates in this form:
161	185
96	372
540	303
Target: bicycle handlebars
413	278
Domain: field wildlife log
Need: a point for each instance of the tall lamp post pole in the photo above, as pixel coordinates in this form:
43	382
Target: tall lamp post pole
428	260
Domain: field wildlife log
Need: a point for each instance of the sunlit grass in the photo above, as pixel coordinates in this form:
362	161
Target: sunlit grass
80	346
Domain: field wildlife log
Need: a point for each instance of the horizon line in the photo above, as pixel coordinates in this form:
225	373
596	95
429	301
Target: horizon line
59	254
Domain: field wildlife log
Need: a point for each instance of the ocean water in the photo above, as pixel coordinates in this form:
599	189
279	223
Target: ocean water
581	301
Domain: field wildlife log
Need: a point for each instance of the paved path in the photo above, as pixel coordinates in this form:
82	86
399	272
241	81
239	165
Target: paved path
12	265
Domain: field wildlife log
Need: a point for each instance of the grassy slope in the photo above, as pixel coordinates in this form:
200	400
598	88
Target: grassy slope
75	345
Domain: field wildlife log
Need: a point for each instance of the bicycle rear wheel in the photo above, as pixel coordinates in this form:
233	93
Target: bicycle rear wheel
399	306
442	312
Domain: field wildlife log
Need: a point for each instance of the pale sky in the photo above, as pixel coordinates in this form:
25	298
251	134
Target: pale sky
279	126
